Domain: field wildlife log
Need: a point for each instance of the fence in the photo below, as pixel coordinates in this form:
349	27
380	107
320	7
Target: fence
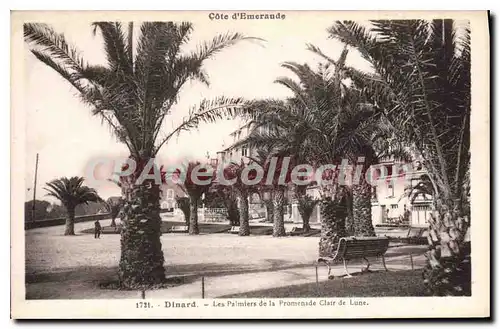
62	220
213	214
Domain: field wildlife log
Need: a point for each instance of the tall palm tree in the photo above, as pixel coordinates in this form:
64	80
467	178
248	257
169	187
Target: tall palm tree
133	93
421	82
71	192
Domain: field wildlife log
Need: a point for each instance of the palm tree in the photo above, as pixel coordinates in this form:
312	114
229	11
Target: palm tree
242	192
114	206
71	192
421	82
261	157
322	123
226	195
196	189
333	224
184	205
133	93
306	206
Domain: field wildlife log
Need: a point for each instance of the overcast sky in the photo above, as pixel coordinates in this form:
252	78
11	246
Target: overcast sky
66	136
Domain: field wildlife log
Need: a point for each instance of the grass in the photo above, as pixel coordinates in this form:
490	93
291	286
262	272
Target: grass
375	284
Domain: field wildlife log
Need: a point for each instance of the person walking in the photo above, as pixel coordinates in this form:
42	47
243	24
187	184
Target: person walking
97	229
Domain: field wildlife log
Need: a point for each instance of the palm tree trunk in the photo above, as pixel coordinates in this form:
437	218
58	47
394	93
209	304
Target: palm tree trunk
243	209
305	206
70	222
141	261
448	269
269	210
349	224
193	216
278	212
333	215
305	223
362	209
233	213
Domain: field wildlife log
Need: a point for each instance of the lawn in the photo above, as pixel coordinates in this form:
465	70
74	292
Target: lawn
376	284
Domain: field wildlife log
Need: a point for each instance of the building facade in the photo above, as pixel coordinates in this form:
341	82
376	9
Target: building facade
391	204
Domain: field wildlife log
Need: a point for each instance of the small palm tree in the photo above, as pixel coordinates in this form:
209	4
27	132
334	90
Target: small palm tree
71	192
228	197
306	205
242	191
195	191
114	205
183	205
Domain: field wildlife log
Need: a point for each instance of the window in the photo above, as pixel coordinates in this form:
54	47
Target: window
394	206
244	151
390	186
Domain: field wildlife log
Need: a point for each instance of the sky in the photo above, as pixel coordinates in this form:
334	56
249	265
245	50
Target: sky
67	137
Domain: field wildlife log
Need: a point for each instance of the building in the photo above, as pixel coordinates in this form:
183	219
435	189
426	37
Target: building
226	155
390	203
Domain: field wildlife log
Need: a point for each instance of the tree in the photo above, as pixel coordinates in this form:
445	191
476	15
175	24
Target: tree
184	205
306	205
225	195
323	123
421	82
261	157
237	173
71	192
196	183
41	210
133	94
115	205
277	135
333	226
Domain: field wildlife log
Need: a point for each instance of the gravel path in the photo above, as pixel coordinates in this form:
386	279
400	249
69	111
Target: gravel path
59	266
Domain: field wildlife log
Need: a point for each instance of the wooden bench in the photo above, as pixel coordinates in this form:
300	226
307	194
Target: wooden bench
357	248
234	230
179	229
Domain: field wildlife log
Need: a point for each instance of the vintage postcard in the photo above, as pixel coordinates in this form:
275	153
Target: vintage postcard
251	165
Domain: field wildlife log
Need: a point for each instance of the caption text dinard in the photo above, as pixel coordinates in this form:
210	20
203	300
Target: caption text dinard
256	303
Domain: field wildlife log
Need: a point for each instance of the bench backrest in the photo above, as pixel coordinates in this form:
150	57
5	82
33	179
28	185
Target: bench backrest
358	247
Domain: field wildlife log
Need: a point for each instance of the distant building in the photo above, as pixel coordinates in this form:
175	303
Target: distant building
389	205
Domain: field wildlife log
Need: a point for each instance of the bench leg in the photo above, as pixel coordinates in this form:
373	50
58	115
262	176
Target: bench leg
330	277
346	271
367	269
383	263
